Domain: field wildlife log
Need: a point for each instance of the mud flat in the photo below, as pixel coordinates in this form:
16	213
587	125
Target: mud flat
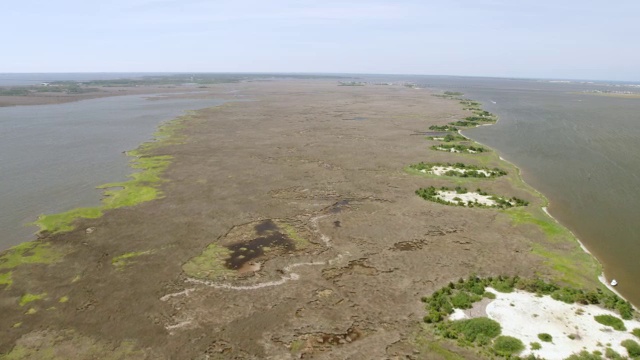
282	230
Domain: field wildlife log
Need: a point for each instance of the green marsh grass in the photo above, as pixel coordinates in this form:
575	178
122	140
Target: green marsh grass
123	260
29	298
142	187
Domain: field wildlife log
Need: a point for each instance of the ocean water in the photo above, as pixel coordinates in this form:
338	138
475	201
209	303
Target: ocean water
581	151
53	156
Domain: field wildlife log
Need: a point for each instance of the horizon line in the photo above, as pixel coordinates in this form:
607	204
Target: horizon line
315	73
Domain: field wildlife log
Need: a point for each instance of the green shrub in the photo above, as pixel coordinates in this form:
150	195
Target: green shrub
585	355
536	346
471	329
610	320
503	284
545	337
443	128
633	348
609	353
566	295
636	332
625	309
489	295
462	300
507	345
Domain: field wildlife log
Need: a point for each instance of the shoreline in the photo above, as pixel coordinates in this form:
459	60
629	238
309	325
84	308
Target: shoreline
149	110
602	276
121	277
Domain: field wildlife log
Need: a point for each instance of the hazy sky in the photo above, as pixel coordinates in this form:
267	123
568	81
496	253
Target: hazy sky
561	39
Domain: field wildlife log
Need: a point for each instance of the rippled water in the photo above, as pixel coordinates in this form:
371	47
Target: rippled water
53	156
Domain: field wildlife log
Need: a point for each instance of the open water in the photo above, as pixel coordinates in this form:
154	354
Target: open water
53	156
581	151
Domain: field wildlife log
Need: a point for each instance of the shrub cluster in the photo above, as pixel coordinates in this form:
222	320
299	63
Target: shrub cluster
610	320
480	115
449	138
507	345
464	123
545	337
431	193
470	104
464	293
440	303
477	330
443	128
633	348
454	95
585	355
489	118
458	147
507	203
470	170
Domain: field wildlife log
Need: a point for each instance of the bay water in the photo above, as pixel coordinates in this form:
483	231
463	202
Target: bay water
581	150
52	157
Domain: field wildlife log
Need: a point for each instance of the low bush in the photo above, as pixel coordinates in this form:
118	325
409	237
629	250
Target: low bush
464	123
443	128
585	355
489	295
545	337
507	345
464	300
459	148
609	353
479	118
472	329
633	348
432	194
461	170
610	320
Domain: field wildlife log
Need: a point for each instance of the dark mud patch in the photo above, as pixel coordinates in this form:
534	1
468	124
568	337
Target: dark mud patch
245	248
340	206
351	335
412	245
246	252
265	226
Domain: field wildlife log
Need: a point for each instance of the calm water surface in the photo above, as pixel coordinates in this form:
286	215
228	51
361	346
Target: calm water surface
582	151
53	156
